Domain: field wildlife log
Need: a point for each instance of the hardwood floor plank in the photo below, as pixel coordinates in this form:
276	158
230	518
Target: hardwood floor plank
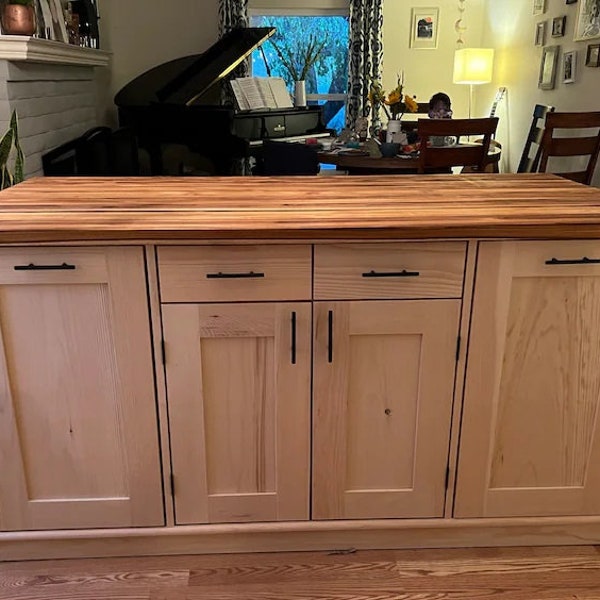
561	573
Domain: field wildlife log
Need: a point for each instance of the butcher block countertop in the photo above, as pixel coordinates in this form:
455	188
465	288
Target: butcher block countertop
405	206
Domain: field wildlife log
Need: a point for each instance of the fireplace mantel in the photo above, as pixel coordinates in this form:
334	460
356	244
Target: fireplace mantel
35	50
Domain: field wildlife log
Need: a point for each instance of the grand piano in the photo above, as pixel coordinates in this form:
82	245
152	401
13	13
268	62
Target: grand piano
179	102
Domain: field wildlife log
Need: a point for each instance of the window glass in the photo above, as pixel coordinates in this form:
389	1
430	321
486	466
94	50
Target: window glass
326	80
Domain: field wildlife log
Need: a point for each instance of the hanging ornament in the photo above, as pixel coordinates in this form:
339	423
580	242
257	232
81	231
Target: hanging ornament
459	25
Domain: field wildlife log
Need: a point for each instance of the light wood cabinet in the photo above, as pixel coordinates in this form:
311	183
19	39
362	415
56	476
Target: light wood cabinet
383	388
530	440
78	430
238	382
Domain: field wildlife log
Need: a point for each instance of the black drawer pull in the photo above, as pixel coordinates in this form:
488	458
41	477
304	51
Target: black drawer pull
581	261
294	337
32	267
219	275
330	336
403	273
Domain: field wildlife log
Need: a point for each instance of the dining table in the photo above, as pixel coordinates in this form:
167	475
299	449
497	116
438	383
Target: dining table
359	162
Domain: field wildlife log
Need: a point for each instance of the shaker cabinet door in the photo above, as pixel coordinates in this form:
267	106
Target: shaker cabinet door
530	443
78	429
238	383
383	388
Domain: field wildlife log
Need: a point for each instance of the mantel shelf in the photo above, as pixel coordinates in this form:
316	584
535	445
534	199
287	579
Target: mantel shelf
34	50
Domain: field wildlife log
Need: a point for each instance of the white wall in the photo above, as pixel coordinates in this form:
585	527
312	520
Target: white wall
430	71
145	33
509	26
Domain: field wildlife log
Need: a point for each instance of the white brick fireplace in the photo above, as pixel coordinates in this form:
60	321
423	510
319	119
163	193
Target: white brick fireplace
52	87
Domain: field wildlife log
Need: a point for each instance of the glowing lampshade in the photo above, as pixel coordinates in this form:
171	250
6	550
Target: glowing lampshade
473	65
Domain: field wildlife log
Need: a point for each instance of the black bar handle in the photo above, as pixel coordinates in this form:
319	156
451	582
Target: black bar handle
330	337
294	337
219	275
580	261
32	267
403	273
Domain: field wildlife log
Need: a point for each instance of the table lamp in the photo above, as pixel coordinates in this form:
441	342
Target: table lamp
473	66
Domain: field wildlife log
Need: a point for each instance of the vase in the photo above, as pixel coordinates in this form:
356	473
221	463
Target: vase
300	93
394	134
18	19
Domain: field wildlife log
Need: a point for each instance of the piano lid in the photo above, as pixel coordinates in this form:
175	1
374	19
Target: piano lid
184	80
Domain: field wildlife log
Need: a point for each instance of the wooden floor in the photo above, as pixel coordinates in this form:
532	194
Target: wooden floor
486	574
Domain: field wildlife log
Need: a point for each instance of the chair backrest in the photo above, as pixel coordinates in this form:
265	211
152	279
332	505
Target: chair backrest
410	120
461	153
530	158
287	158
583	144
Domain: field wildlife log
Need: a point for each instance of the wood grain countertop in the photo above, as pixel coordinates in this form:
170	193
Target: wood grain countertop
404	206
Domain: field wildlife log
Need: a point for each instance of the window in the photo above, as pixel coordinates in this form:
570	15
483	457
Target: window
327	80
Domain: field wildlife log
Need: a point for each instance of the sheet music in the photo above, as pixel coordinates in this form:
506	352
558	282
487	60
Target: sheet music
280	93
239	95
255	93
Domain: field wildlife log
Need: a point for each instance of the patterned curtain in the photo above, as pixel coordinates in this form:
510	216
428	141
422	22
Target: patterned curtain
366	57
233	14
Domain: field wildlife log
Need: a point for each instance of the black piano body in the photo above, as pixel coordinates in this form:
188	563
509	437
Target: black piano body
178	102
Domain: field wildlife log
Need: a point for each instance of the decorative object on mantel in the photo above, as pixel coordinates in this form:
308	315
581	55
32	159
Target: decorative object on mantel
9	141
18	17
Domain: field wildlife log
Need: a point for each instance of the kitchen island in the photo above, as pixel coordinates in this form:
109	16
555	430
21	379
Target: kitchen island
252	364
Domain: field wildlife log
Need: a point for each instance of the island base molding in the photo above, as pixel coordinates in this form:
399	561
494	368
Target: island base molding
329	536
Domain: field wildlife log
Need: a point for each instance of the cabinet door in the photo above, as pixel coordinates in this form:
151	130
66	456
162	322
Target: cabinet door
384	375
529	442
238	382
78	431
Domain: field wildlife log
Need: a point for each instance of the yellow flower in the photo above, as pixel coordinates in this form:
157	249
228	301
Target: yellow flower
411	104
394	97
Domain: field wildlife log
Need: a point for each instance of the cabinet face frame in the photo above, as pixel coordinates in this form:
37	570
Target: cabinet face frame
427	331
265	405
530	439
112	281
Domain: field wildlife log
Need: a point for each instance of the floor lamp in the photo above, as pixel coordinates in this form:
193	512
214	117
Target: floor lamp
473	66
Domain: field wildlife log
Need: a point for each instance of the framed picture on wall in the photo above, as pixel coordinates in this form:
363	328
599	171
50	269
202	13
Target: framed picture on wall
424	25
558	26
539	7
587	26
569	66
592	57
547	77
540	33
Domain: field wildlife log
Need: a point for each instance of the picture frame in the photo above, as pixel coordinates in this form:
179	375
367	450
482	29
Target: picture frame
548	64
44	20
540	33
558	26
570	66
587	26
58	21
592	56
539	7
424	28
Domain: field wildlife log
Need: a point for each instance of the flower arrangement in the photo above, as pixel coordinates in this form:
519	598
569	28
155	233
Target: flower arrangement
397	101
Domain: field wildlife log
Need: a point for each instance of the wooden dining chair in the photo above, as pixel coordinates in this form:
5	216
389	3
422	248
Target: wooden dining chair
582	145
532	150
461	154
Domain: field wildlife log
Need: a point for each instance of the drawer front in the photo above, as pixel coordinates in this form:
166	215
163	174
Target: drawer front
52	265
234	273
394	270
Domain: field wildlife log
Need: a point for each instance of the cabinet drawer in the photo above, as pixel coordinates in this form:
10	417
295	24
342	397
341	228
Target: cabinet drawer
53	265
234	273
394	270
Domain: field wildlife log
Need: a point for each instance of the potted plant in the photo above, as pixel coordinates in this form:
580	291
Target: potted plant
9	141
18	17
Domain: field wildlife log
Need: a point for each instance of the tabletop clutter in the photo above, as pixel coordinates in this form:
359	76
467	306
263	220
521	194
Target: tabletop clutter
399	138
